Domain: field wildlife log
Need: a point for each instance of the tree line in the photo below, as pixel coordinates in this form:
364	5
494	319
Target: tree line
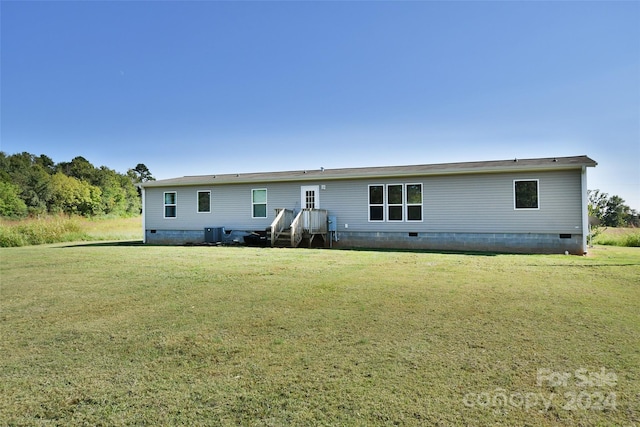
611	211
33	185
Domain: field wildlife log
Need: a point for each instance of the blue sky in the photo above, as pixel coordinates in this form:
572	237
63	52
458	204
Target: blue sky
191	88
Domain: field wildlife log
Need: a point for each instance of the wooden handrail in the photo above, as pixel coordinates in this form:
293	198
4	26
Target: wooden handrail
297	229
280	223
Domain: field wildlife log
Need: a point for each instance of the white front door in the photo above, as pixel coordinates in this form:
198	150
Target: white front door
309	199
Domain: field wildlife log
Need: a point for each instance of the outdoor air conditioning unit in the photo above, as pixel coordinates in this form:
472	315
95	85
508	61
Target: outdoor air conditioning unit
213	234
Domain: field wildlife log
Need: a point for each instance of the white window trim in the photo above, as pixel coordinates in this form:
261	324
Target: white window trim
165	204
383	205
421	204
405	203
537	194
198	202
402	204
266	206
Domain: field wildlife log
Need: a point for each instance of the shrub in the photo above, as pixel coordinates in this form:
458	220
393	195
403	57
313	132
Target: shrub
11	205
632	240
10	237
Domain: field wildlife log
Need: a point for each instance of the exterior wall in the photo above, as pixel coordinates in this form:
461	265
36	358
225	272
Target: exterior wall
230	206
460	206
468	203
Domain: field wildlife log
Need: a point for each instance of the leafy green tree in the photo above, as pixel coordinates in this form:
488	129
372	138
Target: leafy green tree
113	195
75	187
11	205
597	203
119	195
610	211
30	177
140	174
615	211
79	168
4	168
73	196
134	200
46	163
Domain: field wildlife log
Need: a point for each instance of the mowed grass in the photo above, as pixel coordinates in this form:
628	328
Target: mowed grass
144	335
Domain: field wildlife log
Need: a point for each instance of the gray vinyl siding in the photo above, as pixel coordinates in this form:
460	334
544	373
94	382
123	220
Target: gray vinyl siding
486	204
231	206
480	203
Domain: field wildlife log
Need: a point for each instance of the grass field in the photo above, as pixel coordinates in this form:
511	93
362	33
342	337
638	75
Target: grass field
124	334
55	229
618	236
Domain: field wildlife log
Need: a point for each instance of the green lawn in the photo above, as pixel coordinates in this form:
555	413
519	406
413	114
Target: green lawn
109	334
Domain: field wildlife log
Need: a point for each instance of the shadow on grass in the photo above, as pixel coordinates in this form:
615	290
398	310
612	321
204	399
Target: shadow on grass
133	243
99	244
428	251
631	264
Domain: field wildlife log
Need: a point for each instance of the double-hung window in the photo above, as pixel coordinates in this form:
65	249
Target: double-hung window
376	203
414	202
395	202
170	204
259	203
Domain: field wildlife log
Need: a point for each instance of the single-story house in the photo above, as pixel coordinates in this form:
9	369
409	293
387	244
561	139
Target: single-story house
516	205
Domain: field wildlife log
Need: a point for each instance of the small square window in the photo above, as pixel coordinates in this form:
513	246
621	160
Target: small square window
526	194
376	213
395	213
414	213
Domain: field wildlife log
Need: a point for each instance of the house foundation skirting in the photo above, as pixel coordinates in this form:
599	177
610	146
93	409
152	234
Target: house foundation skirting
185	237
487	242
173	237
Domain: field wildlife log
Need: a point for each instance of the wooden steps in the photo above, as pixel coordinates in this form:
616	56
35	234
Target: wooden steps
283	240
